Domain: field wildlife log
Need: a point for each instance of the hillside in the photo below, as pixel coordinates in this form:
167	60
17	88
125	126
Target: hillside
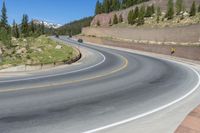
105	17
74	27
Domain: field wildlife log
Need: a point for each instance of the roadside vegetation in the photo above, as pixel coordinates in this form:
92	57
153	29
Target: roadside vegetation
27	43
36	51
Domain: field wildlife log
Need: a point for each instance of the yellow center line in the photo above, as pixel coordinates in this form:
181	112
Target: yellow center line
125	64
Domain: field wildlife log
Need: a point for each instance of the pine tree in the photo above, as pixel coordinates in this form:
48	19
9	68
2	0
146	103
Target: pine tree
193	9
4	18
24	26
170	10
5	31
42	28
133	16
32	27
158	14
15	30
152	9
179	6
120	18
130	17
199	8
106	6
115	19
136	13
98	9
115	5
141	16
148	11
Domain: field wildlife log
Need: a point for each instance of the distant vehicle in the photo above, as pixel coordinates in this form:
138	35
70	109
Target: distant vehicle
80	40
57	36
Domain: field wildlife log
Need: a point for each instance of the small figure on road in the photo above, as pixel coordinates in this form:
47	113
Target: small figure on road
173	50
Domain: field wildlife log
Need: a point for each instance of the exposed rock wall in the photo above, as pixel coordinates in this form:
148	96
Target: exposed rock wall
181	51
185	34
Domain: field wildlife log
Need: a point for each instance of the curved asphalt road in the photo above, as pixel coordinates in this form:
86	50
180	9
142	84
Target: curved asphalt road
107	87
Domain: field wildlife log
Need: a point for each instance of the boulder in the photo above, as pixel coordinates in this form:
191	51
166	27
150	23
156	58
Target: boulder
58	47
39	49
22	50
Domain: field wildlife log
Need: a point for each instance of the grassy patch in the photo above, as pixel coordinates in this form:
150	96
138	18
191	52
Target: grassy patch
41	50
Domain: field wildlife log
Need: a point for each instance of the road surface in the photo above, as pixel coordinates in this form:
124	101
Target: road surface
106	89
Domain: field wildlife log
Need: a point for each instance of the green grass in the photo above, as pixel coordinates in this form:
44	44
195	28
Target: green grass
41	50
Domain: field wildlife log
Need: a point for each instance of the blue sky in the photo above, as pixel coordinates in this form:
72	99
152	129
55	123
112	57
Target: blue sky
56	11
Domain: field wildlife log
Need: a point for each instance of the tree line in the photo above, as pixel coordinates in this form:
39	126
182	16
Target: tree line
138	15
113	5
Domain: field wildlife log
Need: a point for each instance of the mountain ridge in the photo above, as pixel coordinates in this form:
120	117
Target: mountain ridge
46	24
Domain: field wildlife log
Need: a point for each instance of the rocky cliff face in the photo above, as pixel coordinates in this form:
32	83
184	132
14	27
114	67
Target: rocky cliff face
105	18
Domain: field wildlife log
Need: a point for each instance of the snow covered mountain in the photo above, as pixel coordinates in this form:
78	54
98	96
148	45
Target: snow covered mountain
47	24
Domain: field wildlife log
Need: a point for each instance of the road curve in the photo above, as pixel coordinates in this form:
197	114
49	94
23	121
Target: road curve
107	87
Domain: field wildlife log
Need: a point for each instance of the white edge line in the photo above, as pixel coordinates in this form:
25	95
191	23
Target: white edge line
39	77
154	110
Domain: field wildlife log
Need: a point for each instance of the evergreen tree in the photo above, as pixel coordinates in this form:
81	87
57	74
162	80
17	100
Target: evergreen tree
179	6
115	19
152	9
15	30
136	13
199	8
98	9
106	6
193	9
141	16
24	26
42	28
120	18
158	14
148	11
133	16
5	31
115	5
170	10
130	17
5	37
4	18
32	27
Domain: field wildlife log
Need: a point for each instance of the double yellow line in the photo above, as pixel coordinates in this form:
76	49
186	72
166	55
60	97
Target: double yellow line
125	64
